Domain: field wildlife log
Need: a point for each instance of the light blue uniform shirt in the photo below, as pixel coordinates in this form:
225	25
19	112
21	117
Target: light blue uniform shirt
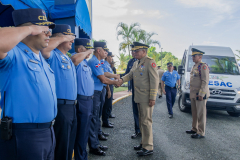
73	53
102	62
30	86
170	79
107	68
97	70
65	75
85	83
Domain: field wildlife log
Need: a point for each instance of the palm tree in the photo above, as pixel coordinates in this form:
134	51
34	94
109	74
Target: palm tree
139	35
123	61
148	41
126	32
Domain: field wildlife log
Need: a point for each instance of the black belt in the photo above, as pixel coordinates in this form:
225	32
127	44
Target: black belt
84	97
95	91
32	125
65	101
172	87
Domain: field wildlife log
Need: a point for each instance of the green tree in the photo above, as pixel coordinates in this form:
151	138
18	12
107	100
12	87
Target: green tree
126	32
123	61
153	53
238	56
169	57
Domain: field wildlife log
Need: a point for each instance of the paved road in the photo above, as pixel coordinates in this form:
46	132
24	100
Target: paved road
222	140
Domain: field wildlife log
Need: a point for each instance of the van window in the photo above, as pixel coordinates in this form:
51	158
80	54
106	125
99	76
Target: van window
218	64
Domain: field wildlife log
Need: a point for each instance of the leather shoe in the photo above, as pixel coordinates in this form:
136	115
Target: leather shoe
111	123
103	148
97	151
105	134
145	152
101	137
170	116
107	126
112	116
190	132
135	135
197	136
139	147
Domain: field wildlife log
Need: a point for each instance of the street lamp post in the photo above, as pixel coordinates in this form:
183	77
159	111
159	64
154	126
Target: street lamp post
161	57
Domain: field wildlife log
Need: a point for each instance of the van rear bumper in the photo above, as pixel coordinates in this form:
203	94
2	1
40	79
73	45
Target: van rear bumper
230	107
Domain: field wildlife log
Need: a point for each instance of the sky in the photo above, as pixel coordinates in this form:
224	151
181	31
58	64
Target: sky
178	23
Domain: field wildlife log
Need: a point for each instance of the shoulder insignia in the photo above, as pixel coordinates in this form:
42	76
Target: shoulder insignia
97	65
154	65
149	58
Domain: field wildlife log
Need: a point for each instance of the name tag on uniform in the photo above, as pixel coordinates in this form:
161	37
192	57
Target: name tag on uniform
33	61
65	62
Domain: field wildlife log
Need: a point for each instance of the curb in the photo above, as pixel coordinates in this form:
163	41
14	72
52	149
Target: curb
120	98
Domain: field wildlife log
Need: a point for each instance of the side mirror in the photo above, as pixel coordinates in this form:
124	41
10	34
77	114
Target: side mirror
181	70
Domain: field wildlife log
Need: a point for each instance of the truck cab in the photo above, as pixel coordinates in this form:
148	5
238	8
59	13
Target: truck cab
224	79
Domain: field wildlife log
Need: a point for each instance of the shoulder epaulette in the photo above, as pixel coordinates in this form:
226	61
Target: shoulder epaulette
149	58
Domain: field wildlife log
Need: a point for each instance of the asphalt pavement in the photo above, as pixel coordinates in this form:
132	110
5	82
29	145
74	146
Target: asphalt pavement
222	140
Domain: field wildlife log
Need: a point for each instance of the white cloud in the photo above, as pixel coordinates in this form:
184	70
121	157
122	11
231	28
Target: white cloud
137	12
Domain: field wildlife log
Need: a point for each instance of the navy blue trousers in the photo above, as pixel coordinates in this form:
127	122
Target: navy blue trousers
135	112
84	116
170	97
102	99
65	128
107	107
29	144
93	142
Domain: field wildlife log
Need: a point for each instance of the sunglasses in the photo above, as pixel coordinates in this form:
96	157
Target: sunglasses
47	32
170	66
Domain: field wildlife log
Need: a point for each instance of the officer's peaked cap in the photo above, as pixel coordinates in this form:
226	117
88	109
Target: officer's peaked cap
100	44
196	51
63	28
84	42
138	45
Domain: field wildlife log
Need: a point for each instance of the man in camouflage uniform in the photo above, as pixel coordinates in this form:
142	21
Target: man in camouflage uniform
145	79
199	93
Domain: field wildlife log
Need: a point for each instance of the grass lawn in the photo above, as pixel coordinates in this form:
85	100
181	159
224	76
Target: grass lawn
119	89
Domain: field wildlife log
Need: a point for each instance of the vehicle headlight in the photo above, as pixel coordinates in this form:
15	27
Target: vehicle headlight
187	85
238	90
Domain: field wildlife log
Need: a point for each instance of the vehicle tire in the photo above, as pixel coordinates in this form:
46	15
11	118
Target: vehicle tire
182	107
233	114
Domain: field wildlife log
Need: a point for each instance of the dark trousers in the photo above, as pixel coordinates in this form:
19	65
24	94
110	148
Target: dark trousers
65	128
94	126
135	112
102	99
29	144
107	107
84	114
170	97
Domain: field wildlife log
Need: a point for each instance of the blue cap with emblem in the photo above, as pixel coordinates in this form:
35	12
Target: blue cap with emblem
169	64
110	54
100	44
64	29
84	42
34	15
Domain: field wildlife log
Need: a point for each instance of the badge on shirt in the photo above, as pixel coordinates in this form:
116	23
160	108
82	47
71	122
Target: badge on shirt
97	65
153	65
68	67
102	62
33	61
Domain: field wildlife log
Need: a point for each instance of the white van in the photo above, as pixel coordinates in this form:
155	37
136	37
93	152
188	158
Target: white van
224	79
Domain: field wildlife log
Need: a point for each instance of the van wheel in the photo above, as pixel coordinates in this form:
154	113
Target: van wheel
182	107
234	114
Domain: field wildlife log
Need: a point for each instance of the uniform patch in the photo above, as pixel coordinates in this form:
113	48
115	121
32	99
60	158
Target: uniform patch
97	65
153	65
204	67
102	62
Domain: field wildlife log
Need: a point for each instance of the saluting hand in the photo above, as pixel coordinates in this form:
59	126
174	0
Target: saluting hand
151	103
69	38
36	30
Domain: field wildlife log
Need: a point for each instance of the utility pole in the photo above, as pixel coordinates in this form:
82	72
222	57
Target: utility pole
161	57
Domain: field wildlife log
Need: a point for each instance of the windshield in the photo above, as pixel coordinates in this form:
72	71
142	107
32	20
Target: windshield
218	64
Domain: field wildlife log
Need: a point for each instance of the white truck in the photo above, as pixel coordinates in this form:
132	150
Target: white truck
224	79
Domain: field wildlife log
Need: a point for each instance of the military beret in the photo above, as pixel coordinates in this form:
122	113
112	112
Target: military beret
196	51
84	42
34	15
63	28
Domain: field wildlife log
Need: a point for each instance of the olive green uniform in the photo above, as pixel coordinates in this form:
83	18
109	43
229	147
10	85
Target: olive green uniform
199	84
145	77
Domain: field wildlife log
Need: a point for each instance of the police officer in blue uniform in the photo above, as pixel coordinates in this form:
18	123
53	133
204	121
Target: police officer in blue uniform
66	89
27	86
134	105
170	78
107	107
85	90
99	79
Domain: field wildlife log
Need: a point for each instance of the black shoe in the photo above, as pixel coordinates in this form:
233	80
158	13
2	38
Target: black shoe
139	147
105	134
160	97
103	148
101	137
111	123
170	116
107	126
97	151
112	116
197	136
145	152
135	135
190	132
